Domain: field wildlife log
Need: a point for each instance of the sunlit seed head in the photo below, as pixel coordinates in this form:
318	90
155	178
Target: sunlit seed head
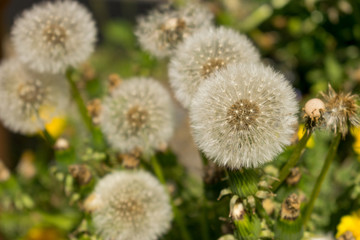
201	55
52	36
163	29
243	115
133	205
28	100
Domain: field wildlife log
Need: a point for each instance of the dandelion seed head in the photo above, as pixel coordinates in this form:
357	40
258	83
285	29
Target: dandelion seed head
52	36
341	109
163	29
138	114
243	115
134	205
29	99
204	53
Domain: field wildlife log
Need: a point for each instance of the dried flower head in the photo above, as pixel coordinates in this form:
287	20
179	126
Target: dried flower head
243	115
28	100
138	114
341	109
51	36
314	111
134	205
81	173
294	176
163	29
290	208
204	53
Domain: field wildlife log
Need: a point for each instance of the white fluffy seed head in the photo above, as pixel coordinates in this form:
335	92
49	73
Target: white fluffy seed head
51	36
28	100
138	114
134	205
163	29
243	115
204	53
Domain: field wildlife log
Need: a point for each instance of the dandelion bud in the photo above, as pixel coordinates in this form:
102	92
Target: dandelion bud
347	236
114	80
237	212
289	225
314	108
4	172
294	176
94	109
26	166
92	203
61	144
129	161
81	173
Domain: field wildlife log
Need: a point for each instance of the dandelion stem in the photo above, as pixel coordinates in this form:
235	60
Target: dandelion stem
179	218
315	193
95	132
49	139
294	158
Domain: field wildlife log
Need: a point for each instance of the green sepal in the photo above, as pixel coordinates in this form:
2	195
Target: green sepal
248	228
289	229
243	182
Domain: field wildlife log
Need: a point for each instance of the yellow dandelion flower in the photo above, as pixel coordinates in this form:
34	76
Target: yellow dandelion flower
355	131
350	223
301	132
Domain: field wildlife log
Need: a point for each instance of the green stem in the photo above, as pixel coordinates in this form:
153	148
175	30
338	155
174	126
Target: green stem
49	139
179	218
95	132
293	160
203	221
262	213
315	193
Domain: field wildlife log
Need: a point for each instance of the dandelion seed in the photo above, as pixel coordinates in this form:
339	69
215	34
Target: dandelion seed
163	29
54	35
138	114
29	100
243	115
341	109
204	53
131	206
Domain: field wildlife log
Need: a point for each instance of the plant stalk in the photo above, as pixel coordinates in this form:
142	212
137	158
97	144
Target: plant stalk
315	193
95	132
179	218
293	160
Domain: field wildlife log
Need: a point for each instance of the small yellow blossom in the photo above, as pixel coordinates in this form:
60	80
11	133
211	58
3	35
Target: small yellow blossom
41	233
350	223
355	131
301	132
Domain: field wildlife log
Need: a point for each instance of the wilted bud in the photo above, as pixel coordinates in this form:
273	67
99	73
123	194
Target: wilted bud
347	236
26	167
314	110
92	203
4	172
114	80
268	205
237	211
129	161
294	176
61	144
94	110
290	208
81	173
